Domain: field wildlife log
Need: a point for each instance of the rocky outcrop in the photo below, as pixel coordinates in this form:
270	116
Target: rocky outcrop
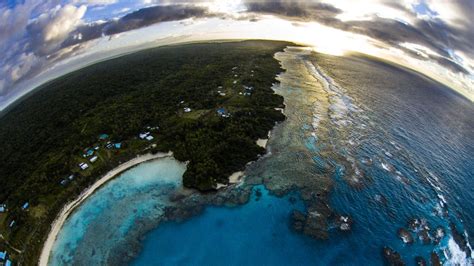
392	257
405	235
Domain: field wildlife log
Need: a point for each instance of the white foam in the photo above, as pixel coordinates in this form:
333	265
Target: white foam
455	255
341	105
387	167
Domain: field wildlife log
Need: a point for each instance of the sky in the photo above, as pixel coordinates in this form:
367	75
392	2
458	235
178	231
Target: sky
42	40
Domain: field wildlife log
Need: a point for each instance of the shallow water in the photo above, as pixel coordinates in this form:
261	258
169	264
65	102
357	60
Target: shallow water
105	218
384	144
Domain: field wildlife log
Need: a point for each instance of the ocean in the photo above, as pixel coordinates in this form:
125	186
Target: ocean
382	145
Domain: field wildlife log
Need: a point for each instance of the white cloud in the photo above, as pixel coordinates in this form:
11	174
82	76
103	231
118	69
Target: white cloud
60	21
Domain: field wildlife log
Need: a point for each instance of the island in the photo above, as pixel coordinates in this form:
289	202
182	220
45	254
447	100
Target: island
207	103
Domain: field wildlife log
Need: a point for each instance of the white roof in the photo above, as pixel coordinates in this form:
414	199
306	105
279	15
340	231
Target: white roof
84	166
150	137
144	135
93	159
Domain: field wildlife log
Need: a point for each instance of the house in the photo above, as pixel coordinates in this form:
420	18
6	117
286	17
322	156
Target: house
109	145
103	136
96	148
144	135
223	113
187	109
83	166
118	145
3	255
8	263
25	206
12	223
88	152
3	208
149	138
93	159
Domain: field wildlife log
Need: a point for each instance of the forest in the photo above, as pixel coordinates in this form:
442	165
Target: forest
207	103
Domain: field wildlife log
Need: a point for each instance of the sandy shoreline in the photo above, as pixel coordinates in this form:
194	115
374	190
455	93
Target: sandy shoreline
69	208
263	142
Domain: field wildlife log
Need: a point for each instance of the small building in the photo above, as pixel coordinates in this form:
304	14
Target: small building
83	166
8	263
223	113
221	93
96	148
12	223
103	136
3	208
149	138
93	159
25	206
144	135
71	177
109	145
118	145
63	182
187	109
88	152
3	255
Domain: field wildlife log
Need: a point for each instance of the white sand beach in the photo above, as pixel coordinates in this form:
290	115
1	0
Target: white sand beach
235	177
262	143
69	208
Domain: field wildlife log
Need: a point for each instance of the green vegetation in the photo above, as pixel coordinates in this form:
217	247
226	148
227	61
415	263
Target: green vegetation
43	138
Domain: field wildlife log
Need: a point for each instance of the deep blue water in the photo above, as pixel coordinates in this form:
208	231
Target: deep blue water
395	145
256	233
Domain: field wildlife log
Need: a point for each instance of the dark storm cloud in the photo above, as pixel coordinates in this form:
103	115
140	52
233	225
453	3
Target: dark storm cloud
432	33
300	10
137	19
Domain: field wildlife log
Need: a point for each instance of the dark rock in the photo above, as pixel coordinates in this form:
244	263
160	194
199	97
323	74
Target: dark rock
414	224
392	257
424	236
298	220
258	194
422	229
311	224
344	223
405	236
420	261
435	261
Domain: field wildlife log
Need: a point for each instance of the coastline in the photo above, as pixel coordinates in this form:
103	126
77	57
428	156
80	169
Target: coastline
71	206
